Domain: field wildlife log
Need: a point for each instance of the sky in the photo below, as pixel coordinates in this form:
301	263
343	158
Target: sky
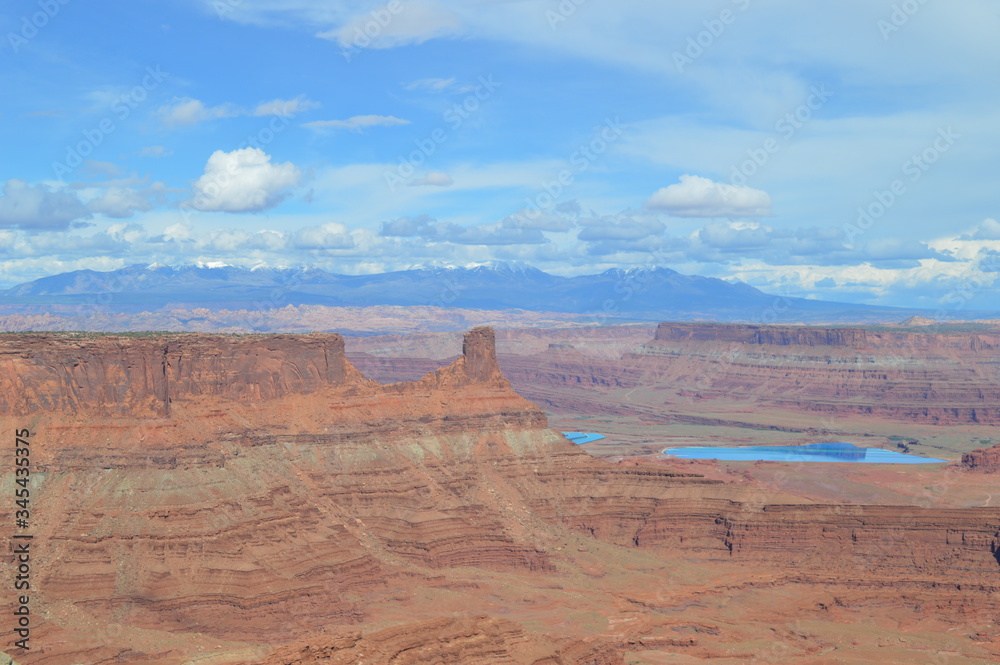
843	151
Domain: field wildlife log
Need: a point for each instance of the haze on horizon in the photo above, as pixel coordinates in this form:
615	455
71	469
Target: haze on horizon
841	152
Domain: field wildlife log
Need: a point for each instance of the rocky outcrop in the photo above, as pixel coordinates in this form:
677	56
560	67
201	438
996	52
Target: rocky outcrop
982	460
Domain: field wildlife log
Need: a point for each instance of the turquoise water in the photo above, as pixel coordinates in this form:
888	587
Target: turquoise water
814	452
582	437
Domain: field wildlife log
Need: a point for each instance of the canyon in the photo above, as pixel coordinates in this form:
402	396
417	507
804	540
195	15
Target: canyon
258	499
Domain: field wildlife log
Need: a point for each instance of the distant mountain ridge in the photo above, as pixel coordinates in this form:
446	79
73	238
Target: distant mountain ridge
653	293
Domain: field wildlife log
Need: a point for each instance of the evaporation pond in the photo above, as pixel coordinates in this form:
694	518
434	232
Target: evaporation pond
582	437
814	452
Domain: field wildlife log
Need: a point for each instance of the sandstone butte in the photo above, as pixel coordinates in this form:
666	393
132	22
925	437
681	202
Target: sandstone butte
213	499
983	460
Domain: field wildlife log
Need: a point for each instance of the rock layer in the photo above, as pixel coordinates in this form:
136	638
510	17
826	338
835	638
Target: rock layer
470	641
913	376
197	492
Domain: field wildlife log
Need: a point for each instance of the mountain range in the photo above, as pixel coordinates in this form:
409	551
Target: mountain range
654	293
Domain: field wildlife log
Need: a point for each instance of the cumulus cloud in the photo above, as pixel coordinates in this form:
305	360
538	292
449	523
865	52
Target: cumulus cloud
243	181
179	232
327	236
732	242
738	236
624	233
434	179
498	233
408	227
120	202
495	234
231	241
187	111
36	207
907	250
536	219
358	123
622	227
696	196
988	230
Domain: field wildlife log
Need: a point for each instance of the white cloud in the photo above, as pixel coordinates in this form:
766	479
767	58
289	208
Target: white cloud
187	111
178	232
358	123
231	241
988	230
381	29
36	207
327	236
120	202
243	181
696	196
286	107
434	179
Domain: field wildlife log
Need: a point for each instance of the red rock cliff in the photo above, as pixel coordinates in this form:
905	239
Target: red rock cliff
142	376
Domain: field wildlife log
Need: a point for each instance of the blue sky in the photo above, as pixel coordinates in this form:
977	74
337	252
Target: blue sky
844	151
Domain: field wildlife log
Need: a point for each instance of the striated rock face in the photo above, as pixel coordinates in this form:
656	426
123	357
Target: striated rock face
470	641
925	377
223	499
885	374
141	377
852	338
983	460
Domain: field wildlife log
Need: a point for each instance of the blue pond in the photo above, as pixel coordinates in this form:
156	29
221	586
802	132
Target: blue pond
582	437
814	452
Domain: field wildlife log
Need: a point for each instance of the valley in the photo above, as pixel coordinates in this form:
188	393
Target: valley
252	499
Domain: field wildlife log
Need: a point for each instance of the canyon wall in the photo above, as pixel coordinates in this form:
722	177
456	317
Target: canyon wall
141	376
225	497
936	378
849	338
